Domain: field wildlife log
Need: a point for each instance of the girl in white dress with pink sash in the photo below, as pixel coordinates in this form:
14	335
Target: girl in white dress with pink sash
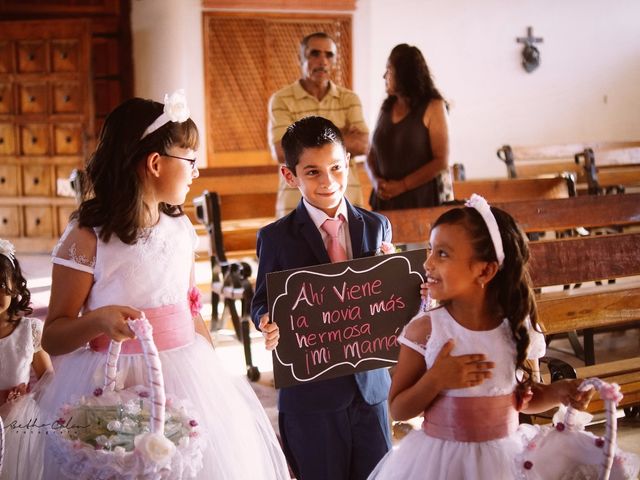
470	364
20	355
129	250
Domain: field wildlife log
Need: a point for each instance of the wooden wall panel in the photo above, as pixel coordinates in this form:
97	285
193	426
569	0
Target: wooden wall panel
110	25
235	87
247	58
313	5
49	129
42	7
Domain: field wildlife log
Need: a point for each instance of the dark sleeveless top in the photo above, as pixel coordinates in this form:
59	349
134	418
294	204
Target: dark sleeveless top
400	149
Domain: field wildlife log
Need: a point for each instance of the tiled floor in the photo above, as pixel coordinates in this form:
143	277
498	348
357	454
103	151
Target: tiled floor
609	346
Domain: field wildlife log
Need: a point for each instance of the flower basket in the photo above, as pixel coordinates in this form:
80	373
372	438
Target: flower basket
133	433
565	451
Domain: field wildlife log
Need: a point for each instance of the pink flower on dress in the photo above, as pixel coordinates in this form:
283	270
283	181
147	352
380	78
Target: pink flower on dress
386	248
195	301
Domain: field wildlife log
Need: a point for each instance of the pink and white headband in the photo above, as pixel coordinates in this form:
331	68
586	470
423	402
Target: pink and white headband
483	208
8	250
175	110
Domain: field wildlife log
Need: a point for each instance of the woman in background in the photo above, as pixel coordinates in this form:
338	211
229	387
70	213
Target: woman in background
409	157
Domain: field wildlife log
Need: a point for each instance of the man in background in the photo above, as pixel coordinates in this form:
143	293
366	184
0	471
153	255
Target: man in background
315	94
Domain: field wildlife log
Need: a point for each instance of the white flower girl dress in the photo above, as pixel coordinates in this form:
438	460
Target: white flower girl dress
154	275
473	432
24	426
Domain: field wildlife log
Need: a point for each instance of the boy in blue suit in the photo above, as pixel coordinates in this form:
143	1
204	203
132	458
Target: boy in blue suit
335	429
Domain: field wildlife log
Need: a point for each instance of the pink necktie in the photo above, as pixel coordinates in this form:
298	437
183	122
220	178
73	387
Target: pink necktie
335	250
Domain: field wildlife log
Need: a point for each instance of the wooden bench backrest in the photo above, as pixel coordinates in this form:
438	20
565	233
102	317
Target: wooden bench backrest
579	260
513	189
411	226
610	167
531	161
584	259
250	192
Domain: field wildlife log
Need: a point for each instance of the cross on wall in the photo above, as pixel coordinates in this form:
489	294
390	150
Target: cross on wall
530	53
530	39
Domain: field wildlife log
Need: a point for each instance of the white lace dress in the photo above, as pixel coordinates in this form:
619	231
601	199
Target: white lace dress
155	272
420	456
24	427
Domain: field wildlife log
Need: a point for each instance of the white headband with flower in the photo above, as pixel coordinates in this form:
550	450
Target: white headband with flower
483	208
8	250
175	110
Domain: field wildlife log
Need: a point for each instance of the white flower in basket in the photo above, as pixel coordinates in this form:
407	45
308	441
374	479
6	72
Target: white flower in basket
133	433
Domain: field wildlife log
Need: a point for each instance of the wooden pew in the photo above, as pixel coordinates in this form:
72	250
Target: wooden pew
248	195
584	259
413	225
610	169
569	261
534	161
514	189
246	192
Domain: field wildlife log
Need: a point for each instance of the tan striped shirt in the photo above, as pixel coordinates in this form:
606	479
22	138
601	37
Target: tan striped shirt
293	102
340	105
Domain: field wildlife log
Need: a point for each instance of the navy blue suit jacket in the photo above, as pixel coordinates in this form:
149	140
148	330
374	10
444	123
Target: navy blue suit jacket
295	242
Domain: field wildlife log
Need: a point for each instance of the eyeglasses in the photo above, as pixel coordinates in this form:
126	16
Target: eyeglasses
192	161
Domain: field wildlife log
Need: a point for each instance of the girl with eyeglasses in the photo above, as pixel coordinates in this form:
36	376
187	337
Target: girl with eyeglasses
129	250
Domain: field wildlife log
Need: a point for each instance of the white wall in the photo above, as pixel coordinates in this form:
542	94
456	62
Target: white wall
586	88
168	54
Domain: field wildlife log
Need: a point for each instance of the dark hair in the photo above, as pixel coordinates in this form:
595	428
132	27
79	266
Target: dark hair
304	43
308	132
15	285
510	289
412	77
114	198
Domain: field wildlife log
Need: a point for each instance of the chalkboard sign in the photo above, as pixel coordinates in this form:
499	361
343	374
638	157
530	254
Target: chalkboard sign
340	318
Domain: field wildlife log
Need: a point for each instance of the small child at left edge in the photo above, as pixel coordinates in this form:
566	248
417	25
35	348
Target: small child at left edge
20	351
334	429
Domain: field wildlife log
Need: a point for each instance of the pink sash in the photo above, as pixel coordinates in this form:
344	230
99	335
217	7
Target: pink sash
172	328
471	419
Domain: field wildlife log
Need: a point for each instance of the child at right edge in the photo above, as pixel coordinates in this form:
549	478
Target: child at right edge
470	364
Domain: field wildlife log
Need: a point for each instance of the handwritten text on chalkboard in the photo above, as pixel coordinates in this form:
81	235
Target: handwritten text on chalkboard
337	319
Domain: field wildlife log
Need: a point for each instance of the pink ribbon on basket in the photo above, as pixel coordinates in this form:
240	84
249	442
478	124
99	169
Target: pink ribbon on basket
610	393
144	333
